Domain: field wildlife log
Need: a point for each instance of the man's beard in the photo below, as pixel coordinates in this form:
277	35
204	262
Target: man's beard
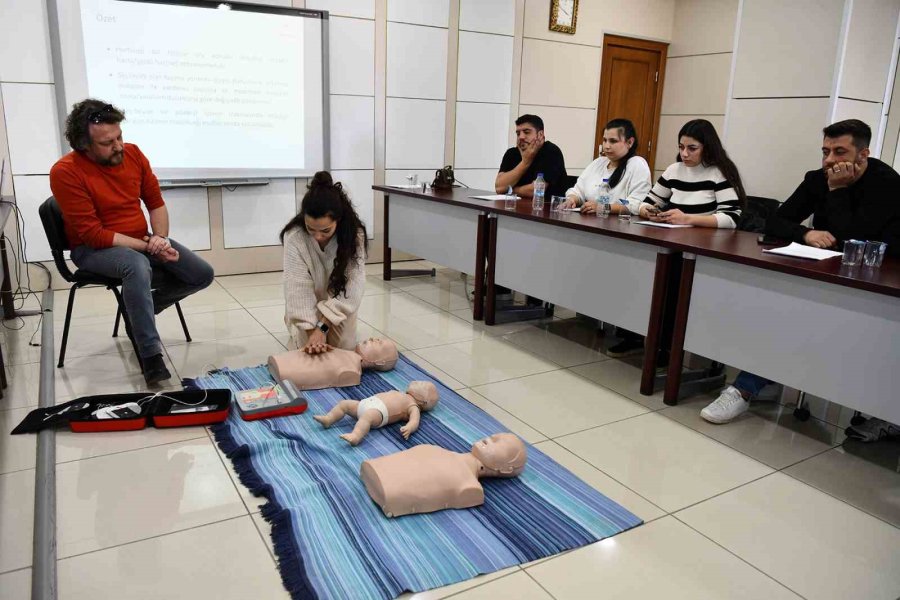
112	161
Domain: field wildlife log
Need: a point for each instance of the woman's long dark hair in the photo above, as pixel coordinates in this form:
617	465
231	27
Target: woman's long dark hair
326	198
626	130
714	154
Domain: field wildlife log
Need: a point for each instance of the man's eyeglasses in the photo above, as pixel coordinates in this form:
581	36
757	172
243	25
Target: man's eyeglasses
96	117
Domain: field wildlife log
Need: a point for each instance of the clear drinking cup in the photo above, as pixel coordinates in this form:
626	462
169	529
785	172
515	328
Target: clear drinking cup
874	254
509	203
556	202
853	253
625	214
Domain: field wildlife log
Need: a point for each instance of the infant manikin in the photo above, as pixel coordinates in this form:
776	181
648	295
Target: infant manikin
384	409
428	478
335	368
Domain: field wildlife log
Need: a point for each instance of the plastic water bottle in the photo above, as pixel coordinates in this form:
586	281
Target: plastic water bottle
540	188
603	197
509	203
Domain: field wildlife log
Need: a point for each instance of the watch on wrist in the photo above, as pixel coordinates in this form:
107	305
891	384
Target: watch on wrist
323	327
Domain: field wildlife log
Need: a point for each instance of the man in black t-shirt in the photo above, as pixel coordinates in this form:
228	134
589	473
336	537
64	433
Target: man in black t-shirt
532	154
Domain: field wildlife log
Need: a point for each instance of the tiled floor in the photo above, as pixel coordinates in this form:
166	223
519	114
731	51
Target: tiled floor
762	508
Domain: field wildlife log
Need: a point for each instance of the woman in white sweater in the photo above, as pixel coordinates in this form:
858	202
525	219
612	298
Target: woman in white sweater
703	188
324	268
618	166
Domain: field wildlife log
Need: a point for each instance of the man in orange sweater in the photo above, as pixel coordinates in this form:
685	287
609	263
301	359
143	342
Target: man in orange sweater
99	187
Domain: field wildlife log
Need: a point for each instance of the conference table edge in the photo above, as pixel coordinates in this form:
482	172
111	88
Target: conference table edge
668	238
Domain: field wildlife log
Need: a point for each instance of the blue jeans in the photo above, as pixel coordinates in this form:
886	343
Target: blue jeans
750	383
149	286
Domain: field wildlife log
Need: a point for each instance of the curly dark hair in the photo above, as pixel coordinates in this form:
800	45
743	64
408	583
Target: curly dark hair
83	114
326	198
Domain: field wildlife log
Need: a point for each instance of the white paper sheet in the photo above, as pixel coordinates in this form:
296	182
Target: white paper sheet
493	197
576	209
663	225
800	251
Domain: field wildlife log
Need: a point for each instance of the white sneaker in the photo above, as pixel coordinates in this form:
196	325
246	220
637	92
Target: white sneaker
727	407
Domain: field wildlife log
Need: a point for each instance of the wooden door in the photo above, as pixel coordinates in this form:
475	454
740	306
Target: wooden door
631	86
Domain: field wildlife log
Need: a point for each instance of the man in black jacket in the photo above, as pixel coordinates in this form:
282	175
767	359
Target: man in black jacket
852	196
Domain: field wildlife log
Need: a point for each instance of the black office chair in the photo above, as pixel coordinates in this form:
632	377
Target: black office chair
756	213
52	219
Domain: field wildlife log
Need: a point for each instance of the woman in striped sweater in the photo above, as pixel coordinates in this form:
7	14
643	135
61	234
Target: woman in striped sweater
324	269
703	188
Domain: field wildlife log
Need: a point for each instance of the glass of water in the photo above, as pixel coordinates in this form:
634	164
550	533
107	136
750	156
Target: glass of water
509	203
874	254
853	252
625	214
556	202
413	179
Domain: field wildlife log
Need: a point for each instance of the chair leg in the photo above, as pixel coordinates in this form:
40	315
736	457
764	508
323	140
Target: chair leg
127	323
801	413
187	334
116	326
65	338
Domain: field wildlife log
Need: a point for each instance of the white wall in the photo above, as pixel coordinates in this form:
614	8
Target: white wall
800	66
698	70
560	73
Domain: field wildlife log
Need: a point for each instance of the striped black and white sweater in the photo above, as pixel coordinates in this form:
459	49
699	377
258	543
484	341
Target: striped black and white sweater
699	190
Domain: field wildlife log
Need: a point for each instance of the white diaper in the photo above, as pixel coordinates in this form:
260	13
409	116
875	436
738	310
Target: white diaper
370	403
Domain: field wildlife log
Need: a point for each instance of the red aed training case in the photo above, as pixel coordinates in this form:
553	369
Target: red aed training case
164	409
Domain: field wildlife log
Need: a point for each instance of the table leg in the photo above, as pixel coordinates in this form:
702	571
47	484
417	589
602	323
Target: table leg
490	294
387	272
478	310
664	260
676	358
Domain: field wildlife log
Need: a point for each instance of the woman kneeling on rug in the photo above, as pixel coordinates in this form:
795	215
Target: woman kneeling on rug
324	268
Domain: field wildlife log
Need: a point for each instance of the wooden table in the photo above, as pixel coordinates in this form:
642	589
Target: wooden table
812	325
816	326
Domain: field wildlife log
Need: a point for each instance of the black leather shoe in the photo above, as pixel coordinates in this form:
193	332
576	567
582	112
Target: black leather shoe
155	369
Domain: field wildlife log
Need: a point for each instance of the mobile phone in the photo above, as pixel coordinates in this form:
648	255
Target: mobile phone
652	210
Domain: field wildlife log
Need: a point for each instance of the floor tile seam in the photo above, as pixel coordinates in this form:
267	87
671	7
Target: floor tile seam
262	537
588	379
87	458
721	493
842	500
519	569
66	462
723	444
538	583
500	380
636	493
153	537
662	412
546	437
16	570
740	558
234	482
602	425
4	409
590	362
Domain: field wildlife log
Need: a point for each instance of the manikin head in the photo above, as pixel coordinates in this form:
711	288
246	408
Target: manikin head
501	455
424	392
378	354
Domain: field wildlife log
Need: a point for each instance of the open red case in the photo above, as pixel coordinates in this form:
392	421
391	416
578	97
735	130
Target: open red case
165	409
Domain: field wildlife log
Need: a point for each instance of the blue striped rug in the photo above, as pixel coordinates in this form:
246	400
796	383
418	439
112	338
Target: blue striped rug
332	541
